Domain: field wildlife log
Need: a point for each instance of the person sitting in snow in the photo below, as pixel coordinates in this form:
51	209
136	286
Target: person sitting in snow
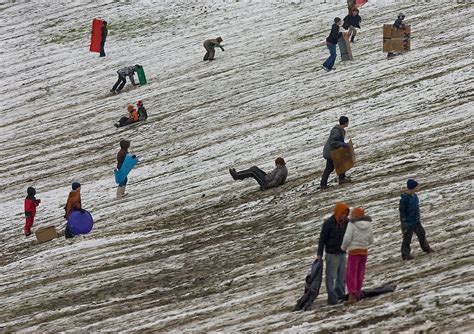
266	181
142	114
122	77
73	203
133	117
30	209
352	22
209	45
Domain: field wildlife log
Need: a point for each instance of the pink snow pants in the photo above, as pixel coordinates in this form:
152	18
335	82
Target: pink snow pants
355	273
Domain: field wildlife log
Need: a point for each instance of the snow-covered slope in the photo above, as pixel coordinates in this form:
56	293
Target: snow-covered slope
189	249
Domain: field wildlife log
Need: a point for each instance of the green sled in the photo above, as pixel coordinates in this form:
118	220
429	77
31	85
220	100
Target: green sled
141	76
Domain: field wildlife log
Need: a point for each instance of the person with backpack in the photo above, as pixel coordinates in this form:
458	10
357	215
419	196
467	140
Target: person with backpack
352	22
274	179
357	238
123	73
331	42
30	205
210	45
330	241
409	208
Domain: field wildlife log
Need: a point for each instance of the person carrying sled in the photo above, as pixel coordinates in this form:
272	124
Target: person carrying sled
133	117
330	241
398	24
352	22
409	208
331	42
122	77
104	37
142	114
356	241
266	181
335	141
122	153
210	45
73	203
30	205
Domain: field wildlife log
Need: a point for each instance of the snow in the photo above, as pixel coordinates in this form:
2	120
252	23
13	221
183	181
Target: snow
189	250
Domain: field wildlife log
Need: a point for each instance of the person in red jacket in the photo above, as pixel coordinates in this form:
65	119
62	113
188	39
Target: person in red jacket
30	209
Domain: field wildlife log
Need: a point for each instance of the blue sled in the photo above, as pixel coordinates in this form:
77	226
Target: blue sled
128	164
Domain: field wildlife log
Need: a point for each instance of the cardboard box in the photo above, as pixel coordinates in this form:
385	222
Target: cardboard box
345	47
44	234
396	40
387	31
343	158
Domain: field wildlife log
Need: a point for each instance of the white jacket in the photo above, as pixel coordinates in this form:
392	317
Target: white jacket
358	234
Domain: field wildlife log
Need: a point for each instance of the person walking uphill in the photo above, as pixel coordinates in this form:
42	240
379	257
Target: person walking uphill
356	240
122	77
73	203
266	181
410	220
122	153
352	22
330	240
331	43
335	141
30	209
210	45
104	37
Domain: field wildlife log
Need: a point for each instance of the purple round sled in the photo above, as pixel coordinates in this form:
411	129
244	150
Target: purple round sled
80	223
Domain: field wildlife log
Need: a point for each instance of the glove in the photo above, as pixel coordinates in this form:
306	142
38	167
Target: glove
38	201
345	145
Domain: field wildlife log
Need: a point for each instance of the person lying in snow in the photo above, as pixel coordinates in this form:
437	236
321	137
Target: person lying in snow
266	181
133	116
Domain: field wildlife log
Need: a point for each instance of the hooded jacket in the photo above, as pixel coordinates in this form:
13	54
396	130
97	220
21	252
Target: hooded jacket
358	234
277	177
31	203
127	71
335	140
351	20
124	146
332	231
212	43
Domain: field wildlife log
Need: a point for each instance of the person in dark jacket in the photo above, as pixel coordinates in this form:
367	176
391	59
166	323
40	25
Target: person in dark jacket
352	22
104	37
142	114
398	24
335	141
122	77
330	241
73	203
410	220
331	43
30	205
266	181
210	45
133	116
124	146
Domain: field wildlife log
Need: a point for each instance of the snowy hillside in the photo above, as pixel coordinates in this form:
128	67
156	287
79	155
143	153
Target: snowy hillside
189	249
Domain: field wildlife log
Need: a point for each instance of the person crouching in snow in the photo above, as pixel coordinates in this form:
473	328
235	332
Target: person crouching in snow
73	203
122	77
410	220
30	209
356	241
133	117
266	181
210	45
142	114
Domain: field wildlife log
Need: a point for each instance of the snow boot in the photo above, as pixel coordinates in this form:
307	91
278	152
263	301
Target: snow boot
120	192
350	300
233	173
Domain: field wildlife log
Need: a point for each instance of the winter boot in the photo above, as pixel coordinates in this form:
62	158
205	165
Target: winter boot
350	300
120	192
233	173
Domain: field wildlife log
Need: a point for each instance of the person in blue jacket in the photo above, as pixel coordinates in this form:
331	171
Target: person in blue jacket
331	43
410	220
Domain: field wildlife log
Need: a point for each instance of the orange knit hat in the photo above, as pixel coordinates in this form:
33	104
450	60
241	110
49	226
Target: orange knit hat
339	210
357	213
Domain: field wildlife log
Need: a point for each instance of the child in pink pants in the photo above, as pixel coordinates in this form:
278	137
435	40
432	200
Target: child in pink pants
356	242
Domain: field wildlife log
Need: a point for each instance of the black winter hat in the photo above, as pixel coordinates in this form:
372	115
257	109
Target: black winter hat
343	120
31	191
75	185
337	19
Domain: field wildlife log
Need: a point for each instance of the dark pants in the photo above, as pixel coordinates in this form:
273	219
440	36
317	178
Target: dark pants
67	233
254	172
327	171
209	54
102	50
121	81
329	63
125	121
407	235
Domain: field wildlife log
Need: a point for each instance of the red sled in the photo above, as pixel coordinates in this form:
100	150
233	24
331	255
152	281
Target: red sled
96	36
360	3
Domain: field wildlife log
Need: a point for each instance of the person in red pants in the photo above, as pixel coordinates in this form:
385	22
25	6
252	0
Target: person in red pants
30	209
356	241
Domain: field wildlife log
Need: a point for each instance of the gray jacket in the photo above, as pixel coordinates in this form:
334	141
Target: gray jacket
127	71
276	178
335	140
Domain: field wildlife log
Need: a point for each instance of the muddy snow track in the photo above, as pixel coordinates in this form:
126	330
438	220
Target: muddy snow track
189	249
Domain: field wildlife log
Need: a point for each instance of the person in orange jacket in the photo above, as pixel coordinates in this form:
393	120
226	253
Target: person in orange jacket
73	203
30	209
133	116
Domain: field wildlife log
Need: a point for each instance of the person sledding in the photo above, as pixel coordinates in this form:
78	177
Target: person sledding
73	203
352	22
398	24
123	73
210	45
331	43
266	181
30	205
133	116
142	114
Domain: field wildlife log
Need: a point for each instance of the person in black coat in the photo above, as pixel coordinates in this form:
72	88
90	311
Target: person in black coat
352	22
104	37
398	24
331	43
